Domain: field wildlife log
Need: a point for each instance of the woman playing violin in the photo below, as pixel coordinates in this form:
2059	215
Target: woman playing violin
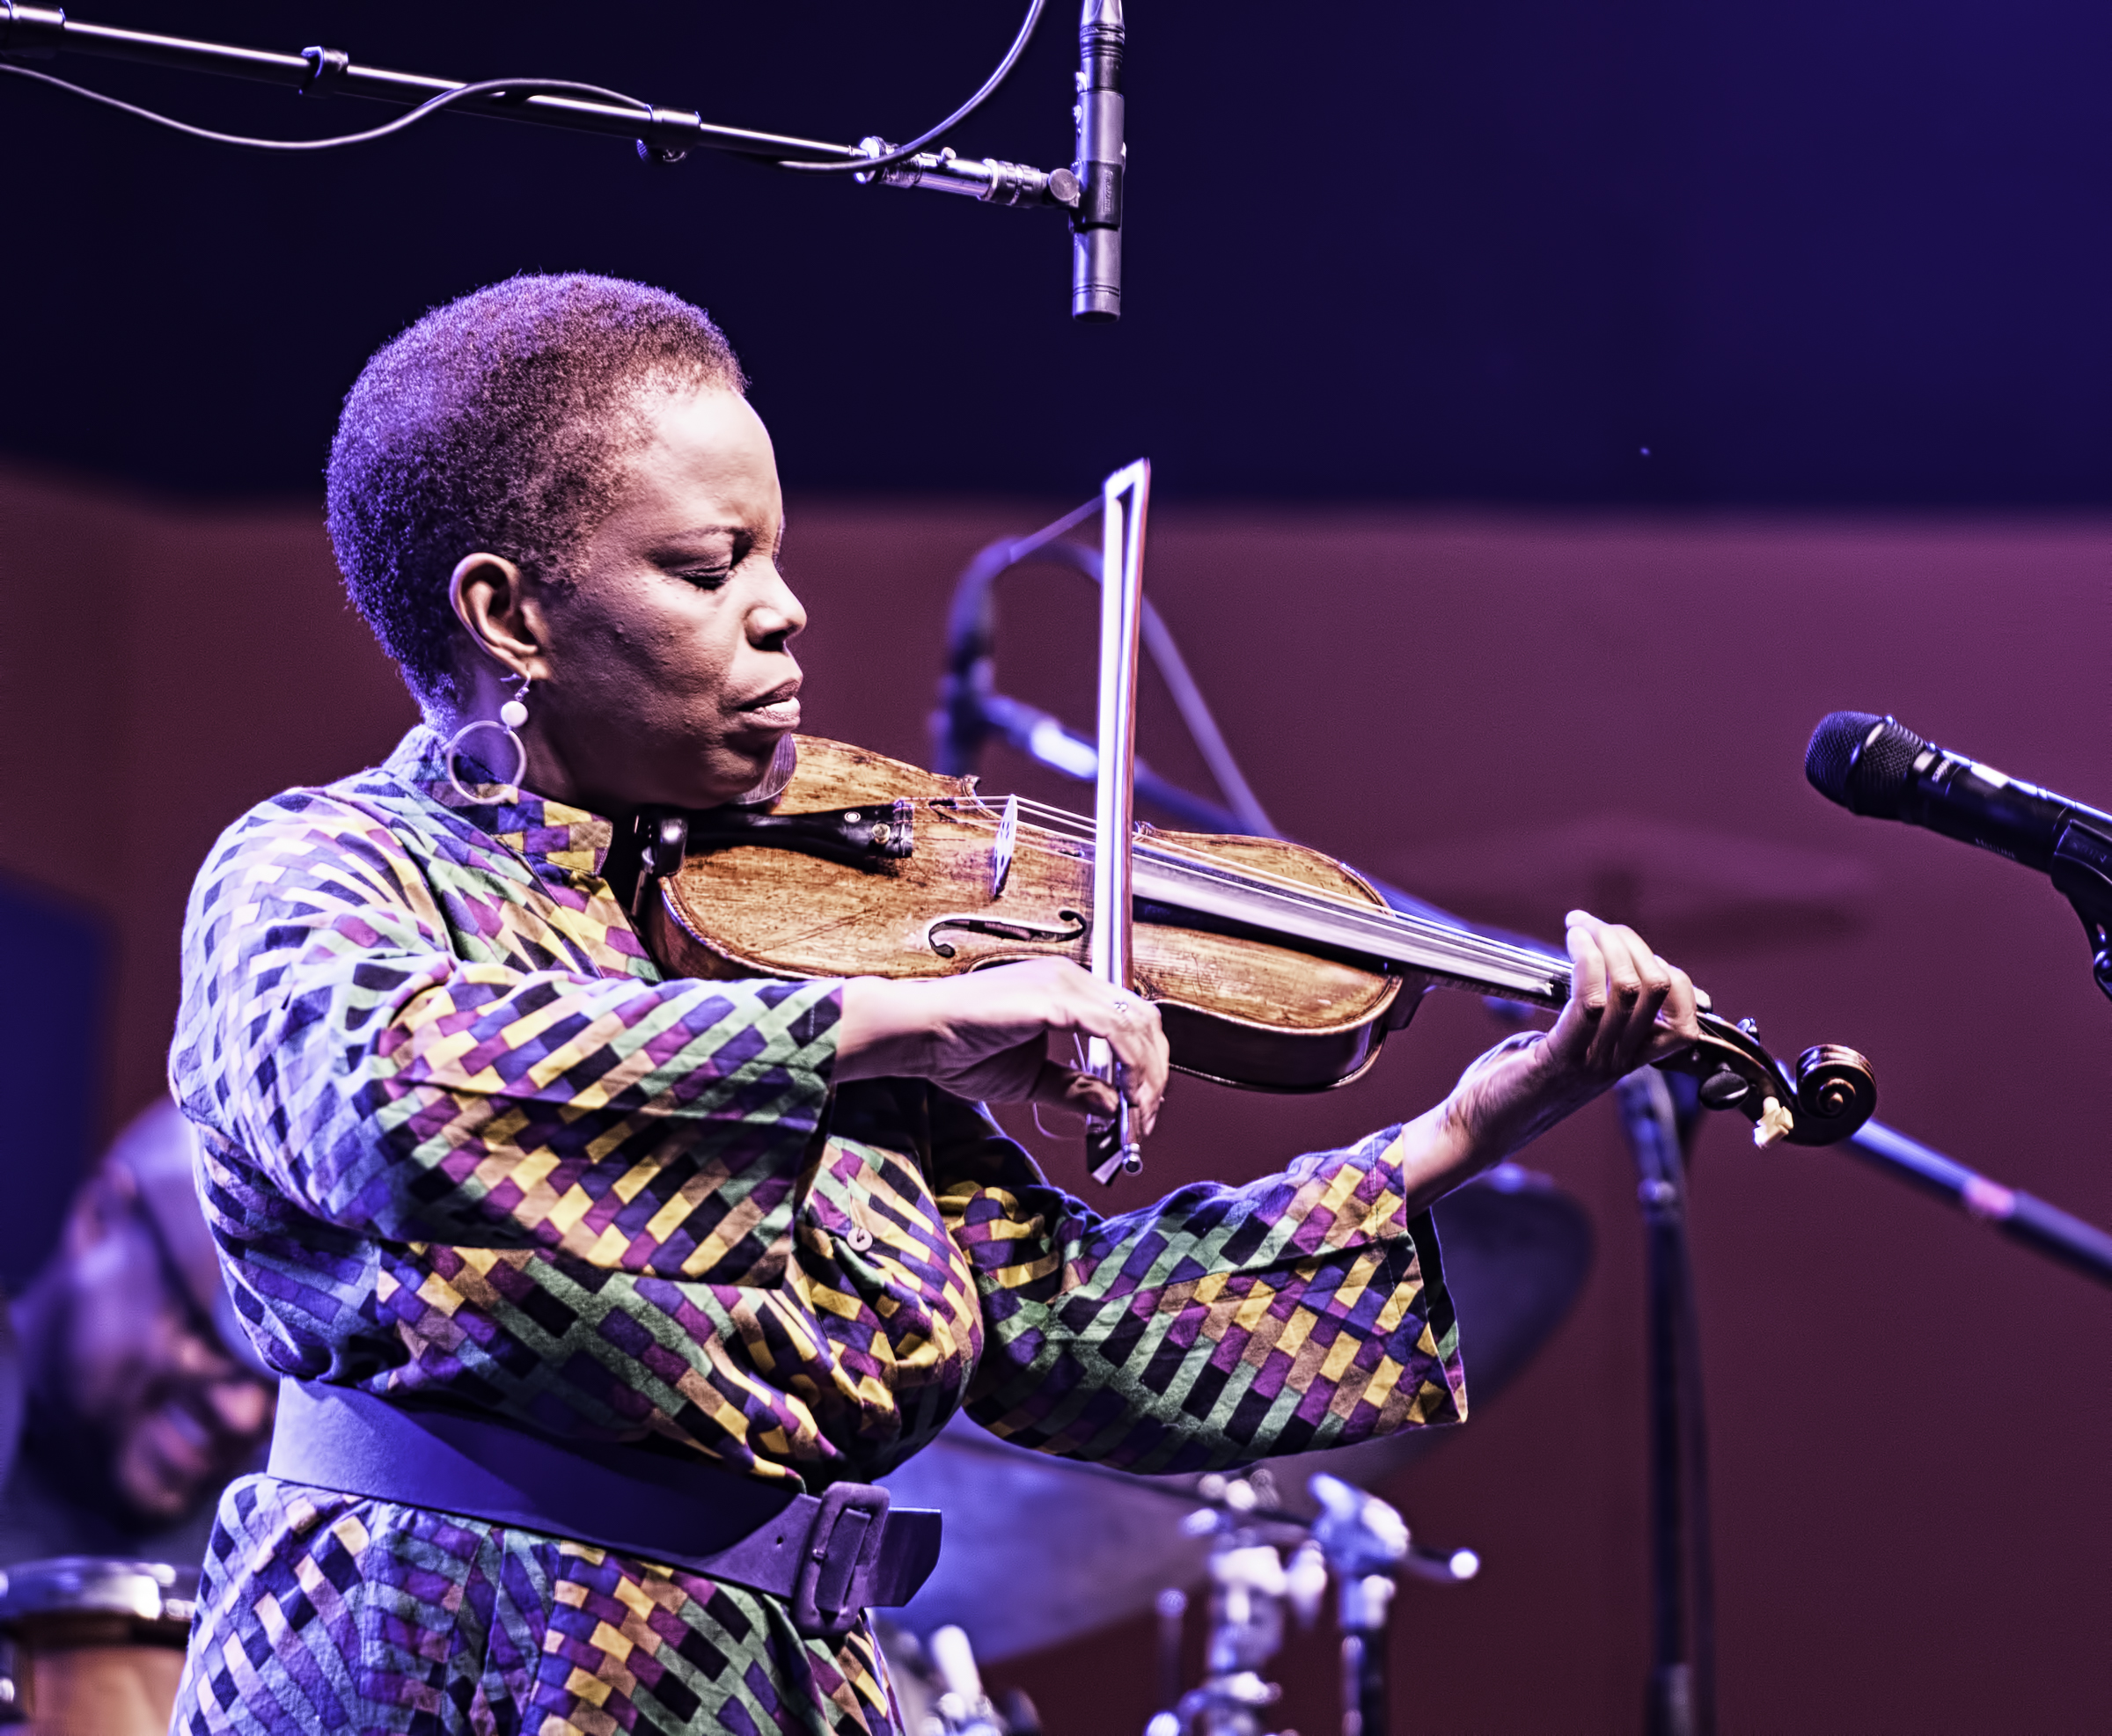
480	1171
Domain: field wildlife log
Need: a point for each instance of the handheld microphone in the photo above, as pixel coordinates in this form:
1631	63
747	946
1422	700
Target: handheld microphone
1096	223
1875	766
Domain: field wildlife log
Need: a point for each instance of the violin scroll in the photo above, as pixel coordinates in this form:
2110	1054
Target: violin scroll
1837	1089
1833	1092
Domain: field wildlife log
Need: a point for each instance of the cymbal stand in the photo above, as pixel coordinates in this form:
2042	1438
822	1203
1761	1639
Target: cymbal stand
1248	1589
1682	1695
1172	1607
1364	1541
963	1709
1358	1539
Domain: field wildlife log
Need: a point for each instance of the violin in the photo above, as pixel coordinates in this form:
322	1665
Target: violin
1273	967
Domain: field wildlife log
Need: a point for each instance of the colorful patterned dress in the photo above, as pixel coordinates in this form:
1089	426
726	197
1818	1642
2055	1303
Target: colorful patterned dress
462	1138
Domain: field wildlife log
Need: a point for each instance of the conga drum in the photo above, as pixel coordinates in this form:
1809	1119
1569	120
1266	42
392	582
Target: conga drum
92	1647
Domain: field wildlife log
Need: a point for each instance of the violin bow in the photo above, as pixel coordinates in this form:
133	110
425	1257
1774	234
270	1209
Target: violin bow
1112	1147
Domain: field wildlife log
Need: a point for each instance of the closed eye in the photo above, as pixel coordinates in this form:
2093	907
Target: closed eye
706	560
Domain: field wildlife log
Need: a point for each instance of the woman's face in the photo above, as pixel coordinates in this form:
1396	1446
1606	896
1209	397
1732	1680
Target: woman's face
667	678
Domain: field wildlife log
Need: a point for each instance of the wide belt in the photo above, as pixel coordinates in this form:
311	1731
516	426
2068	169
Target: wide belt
829	1556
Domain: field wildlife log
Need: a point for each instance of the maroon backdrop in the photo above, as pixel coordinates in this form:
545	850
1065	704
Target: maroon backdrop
1910	1417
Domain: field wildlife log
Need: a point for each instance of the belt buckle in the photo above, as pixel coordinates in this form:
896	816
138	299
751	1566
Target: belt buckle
843	1548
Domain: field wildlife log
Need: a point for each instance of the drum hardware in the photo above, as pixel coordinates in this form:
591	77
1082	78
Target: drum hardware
1171	1608
1359	1540
1041	1550
940	1688
964	1708
1248	1589
91	1646
1366	1547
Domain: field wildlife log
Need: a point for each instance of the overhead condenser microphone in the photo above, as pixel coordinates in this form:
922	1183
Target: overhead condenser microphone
1097	223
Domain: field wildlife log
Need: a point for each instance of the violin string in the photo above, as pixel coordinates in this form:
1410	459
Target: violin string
1379	922
1382	922
1374	918
1377	919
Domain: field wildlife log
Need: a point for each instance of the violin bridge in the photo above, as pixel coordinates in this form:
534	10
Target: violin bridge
1000	853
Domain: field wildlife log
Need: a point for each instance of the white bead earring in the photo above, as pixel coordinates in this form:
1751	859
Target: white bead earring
511	716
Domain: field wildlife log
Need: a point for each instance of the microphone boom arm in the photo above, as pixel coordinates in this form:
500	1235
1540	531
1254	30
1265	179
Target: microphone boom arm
662	135
2023	1218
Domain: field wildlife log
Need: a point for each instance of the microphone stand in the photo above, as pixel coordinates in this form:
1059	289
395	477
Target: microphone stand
2023	1218
971	711
1660	1116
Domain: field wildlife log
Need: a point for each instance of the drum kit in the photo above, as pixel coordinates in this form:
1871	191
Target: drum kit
1040	1550
92	1647
89	1645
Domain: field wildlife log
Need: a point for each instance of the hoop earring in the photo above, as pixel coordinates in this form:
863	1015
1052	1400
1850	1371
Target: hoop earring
511	716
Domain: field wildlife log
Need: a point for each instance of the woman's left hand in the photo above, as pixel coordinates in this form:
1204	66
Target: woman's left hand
1627	1007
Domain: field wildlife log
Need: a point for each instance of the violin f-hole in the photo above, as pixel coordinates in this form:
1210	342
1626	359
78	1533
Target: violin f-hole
1020	933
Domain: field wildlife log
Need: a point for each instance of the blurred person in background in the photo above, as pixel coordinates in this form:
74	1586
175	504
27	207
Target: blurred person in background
136	1412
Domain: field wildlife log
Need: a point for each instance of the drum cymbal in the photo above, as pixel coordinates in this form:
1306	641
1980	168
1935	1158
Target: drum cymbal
1039	1550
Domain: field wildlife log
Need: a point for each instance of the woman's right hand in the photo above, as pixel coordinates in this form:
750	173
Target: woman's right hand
984	1035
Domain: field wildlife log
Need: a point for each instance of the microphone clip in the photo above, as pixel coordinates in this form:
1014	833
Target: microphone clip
2099	941
2081	873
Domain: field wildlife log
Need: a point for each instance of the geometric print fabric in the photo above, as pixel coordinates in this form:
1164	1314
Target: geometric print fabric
322	1612
459	1136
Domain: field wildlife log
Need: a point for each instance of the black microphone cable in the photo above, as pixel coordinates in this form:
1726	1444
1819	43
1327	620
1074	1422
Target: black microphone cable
492	87
485	87
902	153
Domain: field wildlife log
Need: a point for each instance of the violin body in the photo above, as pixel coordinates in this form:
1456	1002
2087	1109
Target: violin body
1273	967
1237	1008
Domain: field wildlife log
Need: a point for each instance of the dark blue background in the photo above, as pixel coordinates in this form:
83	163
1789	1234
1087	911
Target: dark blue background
1842	254
52	1005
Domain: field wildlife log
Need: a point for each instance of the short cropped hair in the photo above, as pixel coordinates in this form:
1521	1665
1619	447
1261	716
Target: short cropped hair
500	422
